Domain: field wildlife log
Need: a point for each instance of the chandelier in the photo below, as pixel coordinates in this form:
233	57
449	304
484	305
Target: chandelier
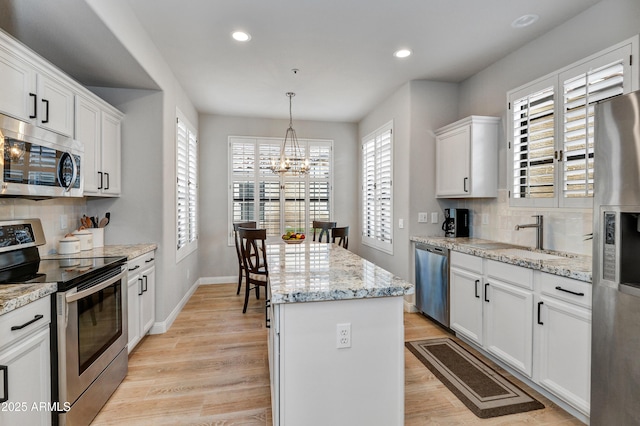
291	159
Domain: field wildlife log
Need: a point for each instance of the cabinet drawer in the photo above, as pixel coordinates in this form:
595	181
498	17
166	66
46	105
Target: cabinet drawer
567	289
140	262
466	261
513	274
22	316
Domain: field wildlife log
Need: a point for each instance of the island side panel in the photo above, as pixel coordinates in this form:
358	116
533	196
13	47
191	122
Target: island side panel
361	385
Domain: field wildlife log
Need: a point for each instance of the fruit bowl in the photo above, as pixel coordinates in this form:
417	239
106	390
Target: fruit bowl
293	238
293	241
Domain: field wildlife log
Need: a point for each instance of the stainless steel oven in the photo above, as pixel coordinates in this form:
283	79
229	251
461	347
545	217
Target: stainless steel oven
38	163
89	319
91	323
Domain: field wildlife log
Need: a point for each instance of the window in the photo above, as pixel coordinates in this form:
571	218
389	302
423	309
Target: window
186	187
377	189
278	203
551	128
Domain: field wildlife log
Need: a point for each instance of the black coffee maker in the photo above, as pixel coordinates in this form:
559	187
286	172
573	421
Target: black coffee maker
456	223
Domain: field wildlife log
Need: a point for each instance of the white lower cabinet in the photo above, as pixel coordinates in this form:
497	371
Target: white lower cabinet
25	371
465	292
537	323
140	297
314	383
563	341
509	322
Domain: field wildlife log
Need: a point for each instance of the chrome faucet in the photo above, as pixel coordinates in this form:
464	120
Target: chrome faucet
537	225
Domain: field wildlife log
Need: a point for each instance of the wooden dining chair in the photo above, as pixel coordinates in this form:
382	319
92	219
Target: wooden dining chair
323	228
254	260
237	238
342	235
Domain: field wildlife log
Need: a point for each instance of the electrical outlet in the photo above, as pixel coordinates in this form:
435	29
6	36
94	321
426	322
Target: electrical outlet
400	223
422	218
64	222
485	218
434	217
343	335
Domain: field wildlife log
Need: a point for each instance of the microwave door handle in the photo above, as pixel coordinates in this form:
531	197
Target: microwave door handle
75	172
91	290
68	187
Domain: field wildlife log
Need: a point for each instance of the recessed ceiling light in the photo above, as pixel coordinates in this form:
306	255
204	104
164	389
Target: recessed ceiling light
241	36
524	21
402	53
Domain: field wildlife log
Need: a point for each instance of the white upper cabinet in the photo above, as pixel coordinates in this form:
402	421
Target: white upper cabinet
31	95
55	105
111	155
18	88
467	158
98	128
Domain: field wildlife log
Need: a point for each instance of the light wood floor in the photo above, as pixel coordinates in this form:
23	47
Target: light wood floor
211	368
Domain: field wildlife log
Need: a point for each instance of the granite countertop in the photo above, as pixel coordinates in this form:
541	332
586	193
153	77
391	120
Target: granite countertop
311	272
564	264
131	251
14	296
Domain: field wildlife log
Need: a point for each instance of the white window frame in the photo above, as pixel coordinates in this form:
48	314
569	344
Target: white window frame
628	51
186	187
254	175
377	189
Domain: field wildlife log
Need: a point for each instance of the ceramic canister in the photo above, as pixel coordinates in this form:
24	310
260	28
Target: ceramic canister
69	245
86	239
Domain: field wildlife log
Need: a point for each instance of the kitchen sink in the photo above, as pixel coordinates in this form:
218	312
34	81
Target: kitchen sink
534	255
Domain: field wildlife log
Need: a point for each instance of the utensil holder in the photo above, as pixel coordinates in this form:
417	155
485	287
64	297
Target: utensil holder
98	236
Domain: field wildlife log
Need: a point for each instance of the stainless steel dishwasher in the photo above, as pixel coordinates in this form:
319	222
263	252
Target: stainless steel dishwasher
432	282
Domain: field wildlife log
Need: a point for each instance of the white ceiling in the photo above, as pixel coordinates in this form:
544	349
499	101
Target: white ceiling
343	48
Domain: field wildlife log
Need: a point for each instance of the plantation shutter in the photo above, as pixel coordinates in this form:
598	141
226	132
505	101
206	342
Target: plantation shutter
377	191
182	184
533	145
186	188
192	185
369	188
383	190
278	203
580	95
319	182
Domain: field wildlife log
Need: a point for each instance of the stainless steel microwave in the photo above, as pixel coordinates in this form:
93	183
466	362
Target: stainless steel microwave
38	163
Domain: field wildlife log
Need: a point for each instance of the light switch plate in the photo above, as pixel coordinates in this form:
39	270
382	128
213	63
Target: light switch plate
434	217
400	223
423	217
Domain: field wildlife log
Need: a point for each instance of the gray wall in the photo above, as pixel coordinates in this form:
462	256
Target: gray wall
217	258
152	130
417	109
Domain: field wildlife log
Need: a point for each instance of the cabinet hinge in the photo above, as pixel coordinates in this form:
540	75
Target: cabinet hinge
630	60
509	194
509	106
509	144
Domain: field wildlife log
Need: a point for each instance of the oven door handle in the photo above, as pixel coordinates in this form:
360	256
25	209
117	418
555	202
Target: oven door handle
91	290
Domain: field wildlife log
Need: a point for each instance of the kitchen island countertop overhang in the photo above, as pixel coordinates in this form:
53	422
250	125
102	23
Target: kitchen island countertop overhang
314	272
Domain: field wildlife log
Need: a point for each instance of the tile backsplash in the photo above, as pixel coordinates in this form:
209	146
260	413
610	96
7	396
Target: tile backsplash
51	213
564	229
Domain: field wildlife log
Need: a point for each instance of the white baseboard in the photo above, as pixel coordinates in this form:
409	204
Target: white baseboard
163	326
218	280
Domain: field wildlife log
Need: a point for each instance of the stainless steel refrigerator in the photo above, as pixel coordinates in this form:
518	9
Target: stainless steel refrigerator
615	346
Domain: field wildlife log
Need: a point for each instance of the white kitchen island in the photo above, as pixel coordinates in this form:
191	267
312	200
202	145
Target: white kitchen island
317	289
